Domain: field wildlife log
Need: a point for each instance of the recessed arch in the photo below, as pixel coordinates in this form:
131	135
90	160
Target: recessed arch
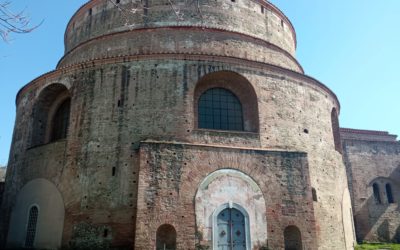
45	196
166	237
51	114
292	236
384	190
236	84
348	220
231	188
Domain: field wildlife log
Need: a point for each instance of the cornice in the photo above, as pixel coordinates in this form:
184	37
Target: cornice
184	27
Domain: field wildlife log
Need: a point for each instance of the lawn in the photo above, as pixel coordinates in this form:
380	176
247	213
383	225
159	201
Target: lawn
373	246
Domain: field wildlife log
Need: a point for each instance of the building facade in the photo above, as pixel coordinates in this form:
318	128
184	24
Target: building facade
177	125
372	159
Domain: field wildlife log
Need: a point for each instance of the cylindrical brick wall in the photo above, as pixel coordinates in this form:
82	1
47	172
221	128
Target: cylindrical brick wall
132	85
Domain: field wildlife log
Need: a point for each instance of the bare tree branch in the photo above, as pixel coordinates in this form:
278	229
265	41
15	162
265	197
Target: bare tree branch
127	12
11	22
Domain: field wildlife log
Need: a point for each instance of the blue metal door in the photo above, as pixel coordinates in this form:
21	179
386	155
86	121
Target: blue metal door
231	230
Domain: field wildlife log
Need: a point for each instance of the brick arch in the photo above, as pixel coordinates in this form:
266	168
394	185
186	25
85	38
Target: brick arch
239	86
228	187
166	237
380	183
46	105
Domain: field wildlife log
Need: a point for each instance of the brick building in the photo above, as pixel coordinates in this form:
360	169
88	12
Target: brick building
183	125
372	160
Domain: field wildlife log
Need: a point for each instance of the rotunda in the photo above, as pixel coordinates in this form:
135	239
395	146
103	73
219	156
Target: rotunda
177	124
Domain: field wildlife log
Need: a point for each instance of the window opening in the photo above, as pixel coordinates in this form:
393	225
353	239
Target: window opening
292	237
219	108
166	238
314	194
61	121
336	130
31	228
377	195
389	193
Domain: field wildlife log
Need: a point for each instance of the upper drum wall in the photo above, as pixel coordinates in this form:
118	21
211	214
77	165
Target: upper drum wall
253	18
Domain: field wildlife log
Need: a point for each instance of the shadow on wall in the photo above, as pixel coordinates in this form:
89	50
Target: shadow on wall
379	218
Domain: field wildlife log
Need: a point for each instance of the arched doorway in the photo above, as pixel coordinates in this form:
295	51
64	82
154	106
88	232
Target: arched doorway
292	238
166	238
231	230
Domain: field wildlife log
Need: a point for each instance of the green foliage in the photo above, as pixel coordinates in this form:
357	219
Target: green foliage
378	246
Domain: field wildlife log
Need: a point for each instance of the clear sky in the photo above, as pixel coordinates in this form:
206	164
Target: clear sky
352	46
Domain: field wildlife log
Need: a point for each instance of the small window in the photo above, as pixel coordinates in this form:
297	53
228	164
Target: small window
220	109
61	121
262	9
314	194
292	236
336	131
31	228
377	195
389	194
166	238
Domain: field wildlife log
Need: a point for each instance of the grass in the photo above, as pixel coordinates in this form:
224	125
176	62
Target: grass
372	246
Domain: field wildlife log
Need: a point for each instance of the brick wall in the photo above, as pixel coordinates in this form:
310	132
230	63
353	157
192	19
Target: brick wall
373	157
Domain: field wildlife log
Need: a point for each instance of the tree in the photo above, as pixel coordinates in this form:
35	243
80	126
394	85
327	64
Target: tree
13	22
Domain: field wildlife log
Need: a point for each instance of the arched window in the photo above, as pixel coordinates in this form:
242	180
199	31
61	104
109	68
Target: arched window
292	237
389	193
61	121
225	100
314	194
51	115
377	195
166	238
336	130
31	228
219	108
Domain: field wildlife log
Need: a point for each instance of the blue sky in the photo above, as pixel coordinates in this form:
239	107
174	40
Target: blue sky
353	47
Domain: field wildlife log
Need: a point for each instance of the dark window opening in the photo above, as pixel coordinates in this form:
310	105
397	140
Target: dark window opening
166	238
292	236
61	121
336	130
220	109
105	233
389	193
314	194
262	9
377	195
31	228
